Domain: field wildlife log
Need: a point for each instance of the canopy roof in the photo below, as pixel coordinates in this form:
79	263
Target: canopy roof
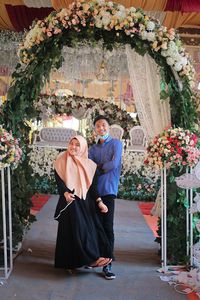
19	14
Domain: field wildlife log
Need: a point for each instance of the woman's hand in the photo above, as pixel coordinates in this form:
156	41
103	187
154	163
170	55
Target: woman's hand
103	208
69	197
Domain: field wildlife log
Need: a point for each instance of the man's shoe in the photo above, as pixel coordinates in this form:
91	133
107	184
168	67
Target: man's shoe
109	275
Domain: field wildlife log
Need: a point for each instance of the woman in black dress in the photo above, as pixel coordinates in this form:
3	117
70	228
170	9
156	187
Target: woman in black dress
81	239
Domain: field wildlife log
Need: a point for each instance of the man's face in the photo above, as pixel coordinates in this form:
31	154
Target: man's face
102	127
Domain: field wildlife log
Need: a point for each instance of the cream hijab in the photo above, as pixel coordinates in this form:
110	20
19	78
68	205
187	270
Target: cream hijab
77	172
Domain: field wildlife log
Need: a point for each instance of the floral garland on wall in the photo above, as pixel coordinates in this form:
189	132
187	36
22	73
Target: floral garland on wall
50	105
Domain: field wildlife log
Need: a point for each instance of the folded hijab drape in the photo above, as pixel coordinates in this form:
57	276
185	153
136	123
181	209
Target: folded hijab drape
76	171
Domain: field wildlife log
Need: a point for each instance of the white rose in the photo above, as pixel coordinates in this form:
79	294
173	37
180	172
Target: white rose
121	7
143	35
98	23
121	15
184	61
178	66
151	36
132	9
164	53
110	4
176	56
150	25
170	61
105	20
101	2
172	45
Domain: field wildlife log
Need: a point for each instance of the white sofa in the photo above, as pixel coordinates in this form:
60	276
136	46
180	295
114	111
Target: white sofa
55	137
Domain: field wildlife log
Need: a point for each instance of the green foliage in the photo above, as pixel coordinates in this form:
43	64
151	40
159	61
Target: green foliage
134	187
45	185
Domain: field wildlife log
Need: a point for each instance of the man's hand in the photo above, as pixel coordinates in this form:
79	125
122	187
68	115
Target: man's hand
103	208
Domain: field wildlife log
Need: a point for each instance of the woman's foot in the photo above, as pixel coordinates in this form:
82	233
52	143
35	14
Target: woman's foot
101	262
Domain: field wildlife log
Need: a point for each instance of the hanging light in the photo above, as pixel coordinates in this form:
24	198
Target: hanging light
102	71
128	96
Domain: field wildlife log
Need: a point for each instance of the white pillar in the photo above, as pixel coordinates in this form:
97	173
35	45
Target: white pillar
7	267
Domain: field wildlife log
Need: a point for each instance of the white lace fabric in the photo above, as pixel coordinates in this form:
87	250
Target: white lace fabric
154	114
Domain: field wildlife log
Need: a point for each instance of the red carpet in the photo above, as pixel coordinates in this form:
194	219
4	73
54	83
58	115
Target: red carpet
151	221
146	207
38	201
193	296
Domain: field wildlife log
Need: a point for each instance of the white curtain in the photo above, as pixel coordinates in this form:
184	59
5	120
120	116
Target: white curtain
159	15
153	113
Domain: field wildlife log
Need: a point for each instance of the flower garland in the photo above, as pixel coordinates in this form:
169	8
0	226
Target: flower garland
174	146
50	105
82	16
9	36
10	152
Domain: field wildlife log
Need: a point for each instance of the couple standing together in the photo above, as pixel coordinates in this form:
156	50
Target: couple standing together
85	210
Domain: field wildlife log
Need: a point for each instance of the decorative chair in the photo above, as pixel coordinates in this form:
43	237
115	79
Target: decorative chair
116	131
137	140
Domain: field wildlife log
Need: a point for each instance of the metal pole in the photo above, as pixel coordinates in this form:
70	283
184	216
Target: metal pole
10	218
191	225
162	229
187	222
7	234
165	220
4	224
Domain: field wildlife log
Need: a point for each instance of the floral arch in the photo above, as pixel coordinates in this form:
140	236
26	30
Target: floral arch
90	22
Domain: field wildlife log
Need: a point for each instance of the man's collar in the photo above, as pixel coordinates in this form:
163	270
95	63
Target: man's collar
106	141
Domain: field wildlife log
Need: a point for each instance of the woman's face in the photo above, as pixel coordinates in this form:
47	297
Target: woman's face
74	147
102	127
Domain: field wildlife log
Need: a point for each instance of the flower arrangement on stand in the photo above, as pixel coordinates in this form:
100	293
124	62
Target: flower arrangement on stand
174	149
10	152
10	156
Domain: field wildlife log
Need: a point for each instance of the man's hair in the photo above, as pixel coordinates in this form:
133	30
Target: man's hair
101	117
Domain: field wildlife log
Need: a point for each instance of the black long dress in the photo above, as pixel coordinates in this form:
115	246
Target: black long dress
81	238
